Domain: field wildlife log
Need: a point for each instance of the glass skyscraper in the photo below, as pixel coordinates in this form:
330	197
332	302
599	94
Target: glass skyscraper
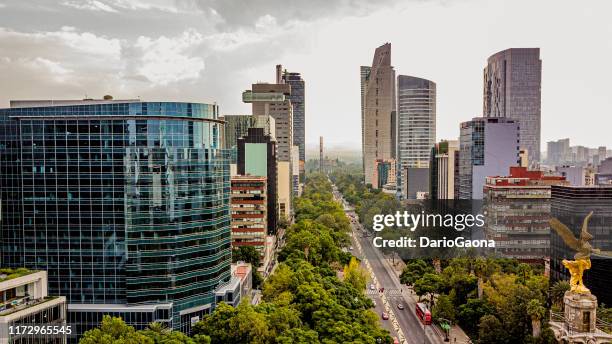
124	203
416	124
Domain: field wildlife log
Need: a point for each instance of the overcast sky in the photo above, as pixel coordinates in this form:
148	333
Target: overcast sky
206	51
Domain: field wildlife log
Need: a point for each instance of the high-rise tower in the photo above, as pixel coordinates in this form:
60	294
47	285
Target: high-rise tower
297	98
378	131
416	123
512	89
124	203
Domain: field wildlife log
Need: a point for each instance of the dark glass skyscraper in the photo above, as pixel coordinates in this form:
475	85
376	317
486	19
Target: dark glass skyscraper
570	205
297	98
124	203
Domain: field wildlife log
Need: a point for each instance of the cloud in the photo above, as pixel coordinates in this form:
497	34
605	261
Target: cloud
169	6
58	72
92	5
165	60
236	13
56	45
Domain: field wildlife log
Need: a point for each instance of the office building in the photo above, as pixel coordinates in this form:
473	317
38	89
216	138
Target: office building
442	169
124	203
24	300
517	208
558	152
295	171
257	157
575	175
602	152
364	74
417	182
249	215
297	98
285	189
239	287
378	130
487	147
385	174
604	173
273	100
416	122
570	205
512	89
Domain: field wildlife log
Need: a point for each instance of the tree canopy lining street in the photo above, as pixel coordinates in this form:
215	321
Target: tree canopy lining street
304	300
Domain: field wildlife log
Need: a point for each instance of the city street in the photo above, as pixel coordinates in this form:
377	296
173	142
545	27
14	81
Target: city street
410	327
394	292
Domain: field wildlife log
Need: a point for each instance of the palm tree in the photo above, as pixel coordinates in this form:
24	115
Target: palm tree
557	292
159	328
480	266
536	311
483	269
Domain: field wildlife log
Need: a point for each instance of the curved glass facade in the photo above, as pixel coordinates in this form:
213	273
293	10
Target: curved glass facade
122	203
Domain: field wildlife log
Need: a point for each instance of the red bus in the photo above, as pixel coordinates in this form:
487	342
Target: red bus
423	313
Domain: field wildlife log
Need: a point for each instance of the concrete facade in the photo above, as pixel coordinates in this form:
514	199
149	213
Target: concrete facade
378	112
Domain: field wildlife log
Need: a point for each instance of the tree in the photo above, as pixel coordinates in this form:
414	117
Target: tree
279	282
491	331
480	267
298	336
217	324
444	309
355	275
469	314
247	254
413	270
248	326
429	284
114	331
483	269
536	311
557	292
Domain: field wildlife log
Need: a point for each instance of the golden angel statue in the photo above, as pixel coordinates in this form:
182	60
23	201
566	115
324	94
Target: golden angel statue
583	249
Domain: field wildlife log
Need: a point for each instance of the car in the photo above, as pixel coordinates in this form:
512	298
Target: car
351	248
374	303
385	316
372	287
400	306
395	340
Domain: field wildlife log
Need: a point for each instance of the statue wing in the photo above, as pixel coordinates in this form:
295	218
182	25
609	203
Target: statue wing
584	233
602	253
565	233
